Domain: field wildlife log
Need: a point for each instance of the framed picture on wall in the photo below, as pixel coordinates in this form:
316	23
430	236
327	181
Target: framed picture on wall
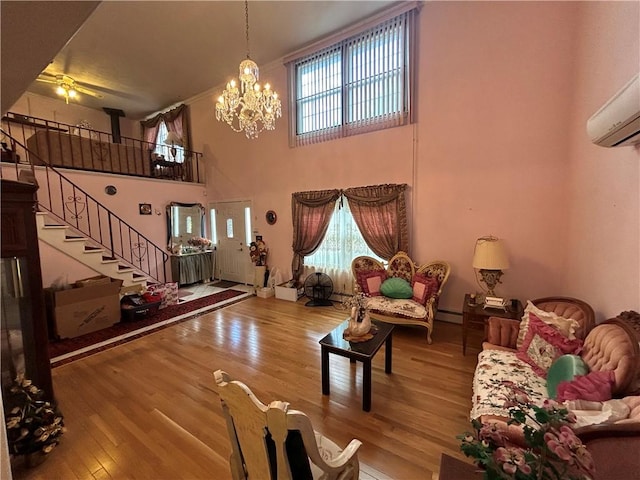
145	209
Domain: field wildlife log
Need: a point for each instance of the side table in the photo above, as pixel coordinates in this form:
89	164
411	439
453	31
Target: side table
478	315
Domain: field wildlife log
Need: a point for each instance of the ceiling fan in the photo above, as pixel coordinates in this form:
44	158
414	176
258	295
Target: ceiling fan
67	86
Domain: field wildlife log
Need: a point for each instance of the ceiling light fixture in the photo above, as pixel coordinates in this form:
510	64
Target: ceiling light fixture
254	108
66	87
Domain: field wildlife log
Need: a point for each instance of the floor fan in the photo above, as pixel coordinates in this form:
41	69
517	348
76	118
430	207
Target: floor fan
318	288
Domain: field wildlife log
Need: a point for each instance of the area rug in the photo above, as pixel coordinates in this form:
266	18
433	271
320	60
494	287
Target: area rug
69	349
223	284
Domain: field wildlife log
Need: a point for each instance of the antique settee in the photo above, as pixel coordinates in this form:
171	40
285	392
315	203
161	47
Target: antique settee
419	306
610	349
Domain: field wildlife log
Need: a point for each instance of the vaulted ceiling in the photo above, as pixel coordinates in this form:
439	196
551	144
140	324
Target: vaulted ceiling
144	56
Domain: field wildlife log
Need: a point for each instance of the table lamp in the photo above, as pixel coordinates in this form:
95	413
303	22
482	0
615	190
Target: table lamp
490	258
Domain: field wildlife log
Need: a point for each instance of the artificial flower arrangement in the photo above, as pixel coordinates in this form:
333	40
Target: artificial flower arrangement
552	451
357	303
33	425
199	242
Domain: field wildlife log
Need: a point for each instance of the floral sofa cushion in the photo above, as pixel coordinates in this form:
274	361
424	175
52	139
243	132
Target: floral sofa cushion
396	306
496	371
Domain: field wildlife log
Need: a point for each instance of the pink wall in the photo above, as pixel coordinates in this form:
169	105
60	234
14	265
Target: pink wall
499	148
603	237
488	154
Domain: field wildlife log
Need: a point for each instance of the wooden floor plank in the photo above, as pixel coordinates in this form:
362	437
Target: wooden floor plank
147	409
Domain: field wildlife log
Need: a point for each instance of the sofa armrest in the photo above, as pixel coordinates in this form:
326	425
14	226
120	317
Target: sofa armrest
503	332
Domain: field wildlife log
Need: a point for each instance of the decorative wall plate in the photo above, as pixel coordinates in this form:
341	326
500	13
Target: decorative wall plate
271	217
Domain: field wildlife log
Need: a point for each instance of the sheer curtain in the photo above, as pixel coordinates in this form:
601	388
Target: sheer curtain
341	244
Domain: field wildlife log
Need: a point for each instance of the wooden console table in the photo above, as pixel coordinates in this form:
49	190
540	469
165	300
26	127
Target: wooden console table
192	267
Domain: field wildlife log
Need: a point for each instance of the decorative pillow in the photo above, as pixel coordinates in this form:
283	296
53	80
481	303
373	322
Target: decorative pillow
371	281
423	287
595	386
543	344
395	287
564	368
568	326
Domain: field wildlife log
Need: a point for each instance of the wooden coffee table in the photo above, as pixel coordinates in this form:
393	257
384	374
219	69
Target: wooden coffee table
362	351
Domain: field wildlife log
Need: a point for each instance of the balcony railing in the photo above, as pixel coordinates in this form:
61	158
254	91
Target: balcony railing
68	146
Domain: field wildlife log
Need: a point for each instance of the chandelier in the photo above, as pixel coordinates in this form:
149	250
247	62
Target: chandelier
250	108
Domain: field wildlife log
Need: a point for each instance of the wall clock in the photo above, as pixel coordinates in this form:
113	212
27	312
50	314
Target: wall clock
110	190
271	217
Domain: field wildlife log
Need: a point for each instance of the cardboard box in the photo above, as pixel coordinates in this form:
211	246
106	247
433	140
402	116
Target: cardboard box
288	293
84	309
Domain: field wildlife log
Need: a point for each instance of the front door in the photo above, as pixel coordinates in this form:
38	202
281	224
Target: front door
231	234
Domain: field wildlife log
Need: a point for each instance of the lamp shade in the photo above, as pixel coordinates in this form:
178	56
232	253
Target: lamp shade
490	254
173	139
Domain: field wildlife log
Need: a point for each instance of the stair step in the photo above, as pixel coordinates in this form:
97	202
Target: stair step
107	260
74	239
89	249
53	226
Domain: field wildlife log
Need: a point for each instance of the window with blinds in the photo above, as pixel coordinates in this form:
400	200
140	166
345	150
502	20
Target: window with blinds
358	85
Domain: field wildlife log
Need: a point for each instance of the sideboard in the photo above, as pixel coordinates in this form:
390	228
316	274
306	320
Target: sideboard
190	268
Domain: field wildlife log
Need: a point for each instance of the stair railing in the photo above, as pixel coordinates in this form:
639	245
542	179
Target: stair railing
67	202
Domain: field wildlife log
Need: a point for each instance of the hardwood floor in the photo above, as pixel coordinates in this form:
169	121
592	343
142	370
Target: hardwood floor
147	409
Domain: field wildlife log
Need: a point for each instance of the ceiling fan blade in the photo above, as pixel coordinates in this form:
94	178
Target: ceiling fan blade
86	91
46	80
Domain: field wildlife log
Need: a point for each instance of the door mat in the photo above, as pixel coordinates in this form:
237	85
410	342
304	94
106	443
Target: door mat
223	284
69	349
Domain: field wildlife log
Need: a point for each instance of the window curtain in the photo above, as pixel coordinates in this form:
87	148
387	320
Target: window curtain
380	213
311	213
176	120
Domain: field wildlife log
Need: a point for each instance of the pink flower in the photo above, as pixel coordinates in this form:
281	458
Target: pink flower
511	459
490	431
555	445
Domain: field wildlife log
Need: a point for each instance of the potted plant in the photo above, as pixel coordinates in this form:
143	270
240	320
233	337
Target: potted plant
551	451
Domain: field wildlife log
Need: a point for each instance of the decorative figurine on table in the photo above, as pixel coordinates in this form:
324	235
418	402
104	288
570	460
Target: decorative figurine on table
360	328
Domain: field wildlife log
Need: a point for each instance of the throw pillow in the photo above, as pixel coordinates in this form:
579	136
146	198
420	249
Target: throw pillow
371	281
568	326
564	368
423	287
595	386
543	344
395	287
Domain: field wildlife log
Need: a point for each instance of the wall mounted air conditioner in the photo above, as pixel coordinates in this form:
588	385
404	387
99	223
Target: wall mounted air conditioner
617	122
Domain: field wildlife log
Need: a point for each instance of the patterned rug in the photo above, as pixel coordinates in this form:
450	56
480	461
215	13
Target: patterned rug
69	349
223	284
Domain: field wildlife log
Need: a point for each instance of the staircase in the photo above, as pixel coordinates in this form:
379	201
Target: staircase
62	238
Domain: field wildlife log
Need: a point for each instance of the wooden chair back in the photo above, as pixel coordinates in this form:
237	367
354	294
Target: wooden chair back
273	442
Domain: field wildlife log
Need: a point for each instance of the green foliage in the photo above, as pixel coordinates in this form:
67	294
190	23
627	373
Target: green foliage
551	450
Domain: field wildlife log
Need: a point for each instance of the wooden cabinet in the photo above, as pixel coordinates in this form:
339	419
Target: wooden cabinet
24	326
